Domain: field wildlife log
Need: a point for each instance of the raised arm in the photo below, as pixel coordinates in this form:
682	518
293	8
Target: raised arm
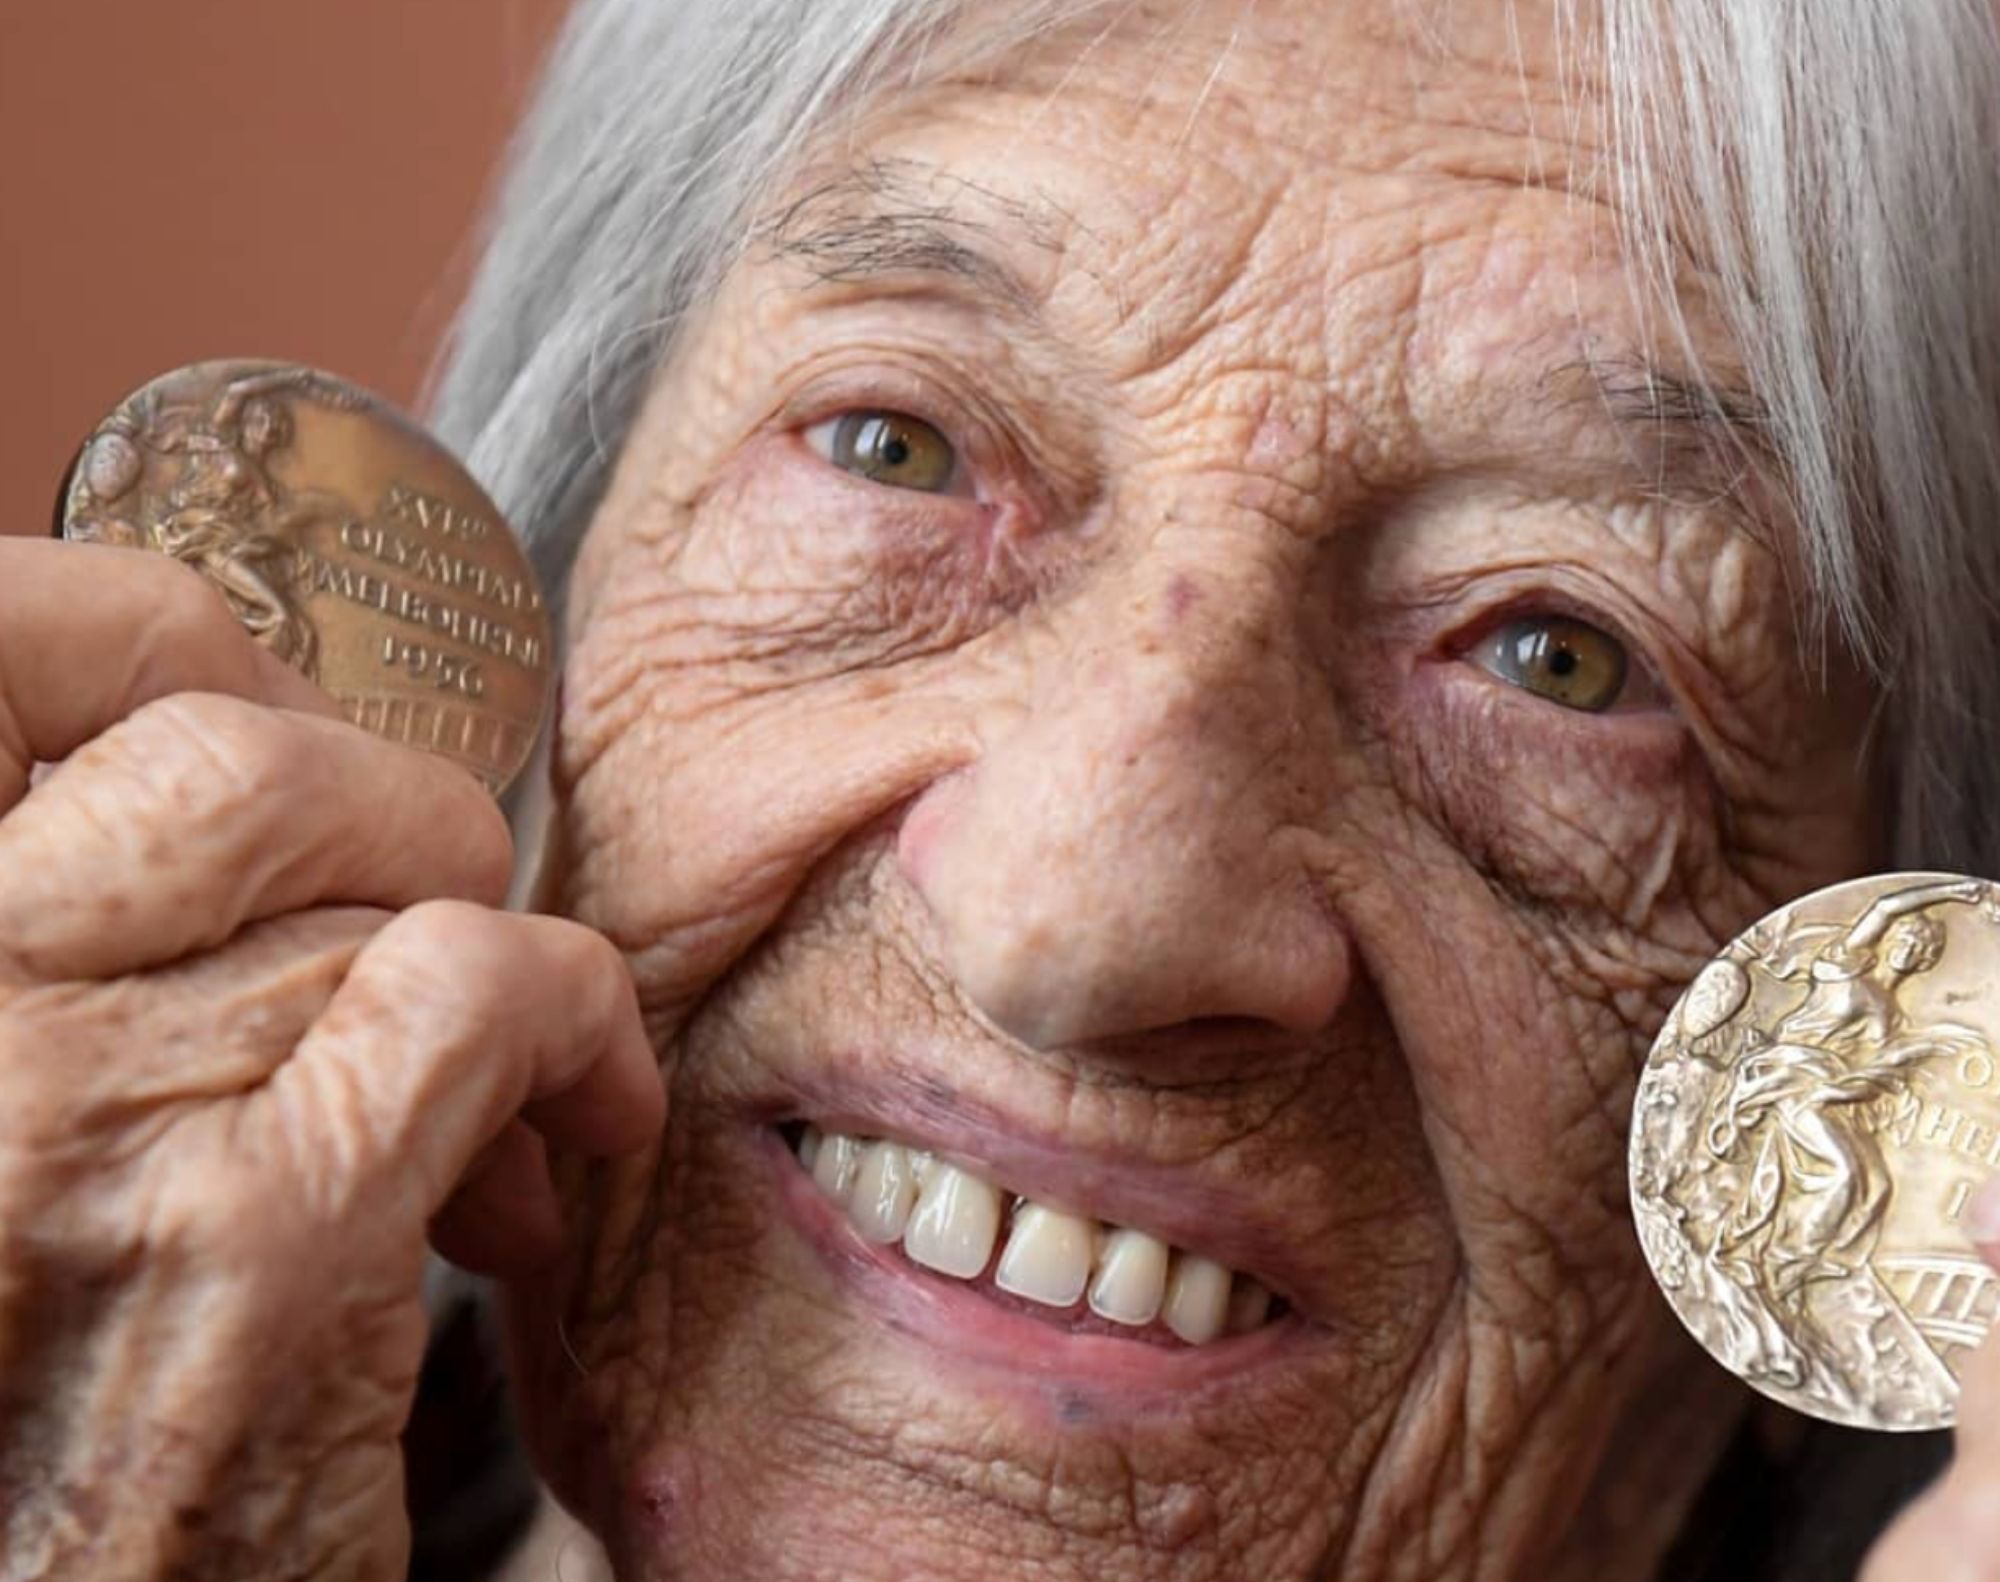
1874	922
302	381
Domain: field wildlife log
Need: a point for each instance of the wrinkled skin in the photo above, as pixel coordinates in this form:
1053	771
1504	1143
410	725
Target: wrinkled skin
1144	818
1134	820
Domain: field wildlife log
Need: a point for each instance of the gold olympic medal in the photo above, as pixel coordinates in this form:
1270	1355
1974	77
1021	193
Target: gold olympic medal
347	541
1814	1117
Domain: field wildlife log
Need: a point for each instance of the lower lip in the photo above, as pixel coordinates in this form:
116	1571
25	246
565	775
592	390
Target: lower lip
953	1318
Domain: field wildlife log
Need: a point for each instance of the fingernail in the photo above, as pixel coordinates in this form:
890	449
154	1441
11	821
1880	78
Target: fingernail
1982	1214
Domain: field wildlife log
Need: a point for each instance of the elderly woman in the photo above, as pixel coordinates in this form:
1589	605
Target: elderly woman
1182	622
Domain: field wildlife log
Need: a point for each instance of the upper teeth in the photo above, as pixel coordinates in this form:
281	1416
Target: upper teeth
949	1219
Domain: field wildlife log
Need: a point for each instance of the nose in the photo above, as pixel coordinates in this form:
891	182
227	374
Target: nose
1134	852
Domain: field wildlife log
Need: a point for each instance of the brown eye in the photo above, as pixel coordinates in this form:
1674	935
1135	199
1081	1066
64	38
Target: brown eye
1566	661
887	447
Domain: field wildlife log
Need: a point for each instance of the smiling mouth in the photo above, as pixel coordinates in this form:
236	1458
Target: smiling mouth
1066	1268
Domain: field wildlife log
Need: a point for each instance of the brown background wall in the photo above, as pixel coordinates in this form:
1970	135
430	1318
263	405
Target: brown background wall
216	178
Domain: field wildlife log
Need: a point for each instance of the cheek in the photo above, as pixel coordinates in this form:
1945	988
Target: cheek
732	716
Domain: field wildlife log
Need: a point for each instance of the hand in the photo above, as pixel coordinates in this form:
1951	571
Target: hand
1952	1532
260	1027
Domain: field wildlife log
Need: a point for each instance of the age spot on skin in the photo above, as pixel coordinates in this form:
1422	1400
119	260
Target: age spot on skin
1278	443
662	1496
1074	1410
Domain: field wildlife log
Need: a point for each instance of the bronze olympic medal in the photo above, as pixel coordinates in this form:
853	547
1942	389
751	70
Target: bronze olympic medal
347	541
1814	1117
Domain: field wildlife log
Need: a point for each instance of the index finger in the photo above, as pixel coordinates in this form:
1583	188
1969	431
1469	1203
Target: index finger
89	633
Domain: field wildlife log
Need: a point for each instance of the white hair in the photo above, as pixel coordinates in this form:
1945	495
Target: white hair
1831	162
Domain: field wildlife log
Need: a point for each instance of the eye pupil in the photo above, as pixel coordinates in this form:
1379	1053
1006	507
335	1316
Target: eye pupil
1566	661
892	448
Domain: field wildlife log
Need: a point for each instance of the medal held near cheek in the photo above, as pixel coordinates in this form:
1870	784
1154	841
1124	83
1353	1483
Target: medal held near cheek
346	540
1808	1132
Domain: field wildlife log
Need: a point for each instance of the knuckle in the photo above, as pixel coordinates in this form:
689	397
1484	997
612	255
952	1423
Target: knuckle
453	966
432	987
588	968
435	967
585	951
462	936
225	750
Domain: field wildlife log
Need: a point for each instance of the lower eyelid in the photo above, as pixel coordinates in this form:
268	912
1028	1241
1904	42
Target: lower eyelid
1492	720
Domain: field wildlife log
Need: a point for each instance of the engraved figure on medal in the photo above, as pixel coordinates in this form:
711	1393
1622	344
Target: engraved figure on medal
1761	1184
223	514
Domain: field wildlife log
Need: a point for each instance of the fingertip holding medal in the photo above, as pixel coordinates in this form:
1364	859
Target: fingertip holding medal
347	541
1812	1141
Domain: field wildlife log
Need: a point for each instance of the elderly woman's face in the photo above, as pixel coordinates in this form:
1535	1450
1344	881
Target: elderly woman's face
1165	641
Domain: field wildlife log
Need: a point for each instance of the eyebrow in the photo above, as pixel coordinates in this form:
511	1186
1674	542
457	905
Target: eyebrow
889	217
1678	416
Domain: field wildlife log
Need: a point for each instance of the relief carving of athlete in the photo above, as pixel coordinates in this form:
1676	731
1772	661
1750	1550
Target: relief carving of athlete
1818	1188
223	513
